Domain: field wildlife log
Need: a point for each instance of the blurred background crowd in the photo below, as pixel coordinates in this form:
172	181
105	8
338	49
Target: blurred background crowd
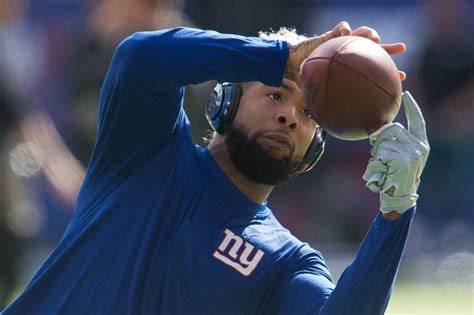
54	55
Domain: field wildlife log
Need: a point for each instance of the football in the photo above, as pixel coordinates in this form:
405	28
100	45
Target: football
352	87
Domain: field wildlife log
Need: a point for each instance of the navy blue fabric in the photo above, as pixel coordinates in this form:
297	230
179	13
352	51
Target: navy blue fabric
148	233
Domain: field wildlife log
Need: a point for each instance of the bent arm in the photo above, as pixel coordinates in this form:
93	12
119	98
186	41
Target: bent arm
143	89
173	58
141	101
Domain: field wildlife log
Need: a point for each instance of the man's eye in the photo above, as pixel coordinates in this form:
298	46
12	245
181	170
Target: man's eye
307	113
274	96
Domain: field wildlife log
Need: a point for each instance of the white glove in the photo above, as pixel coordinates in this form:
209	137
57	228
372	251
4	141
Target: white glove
398	158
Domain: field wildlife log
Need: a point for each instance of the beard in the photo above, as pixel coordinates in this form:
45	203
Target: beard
257	163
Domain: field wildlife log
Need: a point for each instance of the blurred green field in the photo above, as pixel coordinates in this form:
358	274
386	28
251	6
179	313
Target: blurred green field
435	298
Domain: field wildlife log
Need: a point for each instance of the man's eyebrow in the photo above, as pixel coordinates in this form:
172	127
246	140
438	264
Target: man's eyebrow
286	86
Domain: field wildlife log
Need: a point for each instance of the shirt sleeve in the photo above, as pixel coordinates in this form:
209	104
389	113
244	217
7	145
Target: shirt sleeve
304	293
141	101
365	285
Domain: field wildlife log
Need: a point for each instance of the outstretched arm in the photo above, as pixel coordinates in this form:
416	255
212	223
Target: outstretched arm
365	285
399	156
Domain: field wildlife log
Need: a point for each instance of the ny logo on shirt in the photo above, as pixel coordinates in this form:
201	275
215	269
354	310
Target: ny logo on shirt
230	253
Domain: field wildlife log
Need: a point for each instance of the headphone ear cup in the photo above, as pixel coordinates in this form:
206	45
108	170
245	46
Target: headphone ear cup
228	117
222	105
214	106
315	150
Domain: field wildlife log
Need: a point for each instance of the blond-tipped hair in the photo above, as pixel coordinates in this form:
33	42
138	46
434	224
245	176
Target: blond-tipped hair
286	34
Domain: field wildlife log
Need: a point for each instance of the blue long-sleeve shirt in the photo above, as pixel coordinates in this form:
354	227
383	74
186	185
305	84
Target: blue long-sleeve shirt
159	228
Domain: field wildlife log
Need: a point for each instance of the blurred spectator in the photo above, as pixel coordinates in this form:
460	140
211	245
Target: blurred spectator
107	23
10	11
46	176
447	84
9	242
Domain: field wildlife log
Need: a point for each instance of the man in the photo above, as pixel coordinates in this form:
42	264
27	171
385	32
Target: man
164	226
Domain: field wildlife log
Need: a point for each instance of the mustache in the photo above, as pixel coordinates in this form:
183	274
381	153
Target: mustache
279	137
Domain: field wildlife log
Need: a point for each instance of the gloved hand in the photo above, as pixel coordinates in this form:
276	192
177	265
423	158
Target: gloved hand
398	158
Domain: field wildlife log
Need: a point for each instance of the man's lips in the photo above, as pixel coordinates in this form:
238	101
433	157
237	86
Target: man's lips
278	140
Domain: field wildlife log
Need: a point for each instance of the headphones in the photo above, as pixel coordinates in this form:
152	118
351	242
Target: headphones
222	107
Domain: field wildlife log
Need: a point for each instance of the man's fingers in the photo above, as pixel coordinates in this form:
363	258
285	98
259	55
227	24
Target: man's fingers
374	167
416	122
341	29
403	75
344	29
394	49
367	32
393	132
375	175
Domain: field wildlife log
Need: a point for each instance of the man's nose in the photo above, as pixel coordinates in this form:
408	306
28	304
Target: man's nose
287	117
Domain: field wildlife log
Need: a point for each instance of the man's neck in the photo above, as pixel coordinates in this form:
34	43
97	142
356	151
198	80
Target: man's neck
258	193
